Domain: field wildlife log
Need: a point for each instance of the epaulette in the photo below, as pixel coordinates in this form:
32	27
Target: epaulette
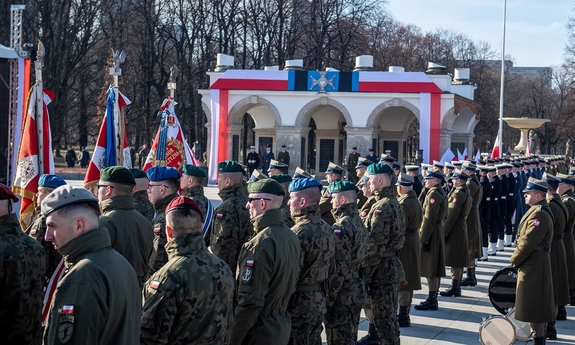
539	208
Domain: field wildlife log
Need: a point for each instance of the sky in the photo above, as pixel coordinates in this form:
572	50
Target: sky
535	34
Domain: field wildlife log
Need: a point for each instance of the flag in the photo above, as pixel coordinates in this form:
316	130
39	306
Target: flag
478	155
448	156
170	148
528	150
496	148
105	151
459	155
465	155
30	166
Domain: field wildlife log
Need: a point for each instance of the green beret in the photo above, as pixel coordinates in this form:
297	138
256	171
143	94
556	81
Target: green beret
379	168
64	196
267	185
138	173
282	178
341	186
192	170
230	167
118	174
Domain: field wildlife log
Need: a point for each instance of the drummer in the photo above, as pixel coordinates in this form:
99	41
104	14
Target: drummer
532	260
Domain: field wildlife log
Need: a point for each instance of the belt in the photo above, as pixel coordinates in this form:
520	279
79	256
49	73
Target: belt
488	198
411	232
557	236
461	217
387	254
510	194
502	198
542	249
474	206
495	199
351	276
301	288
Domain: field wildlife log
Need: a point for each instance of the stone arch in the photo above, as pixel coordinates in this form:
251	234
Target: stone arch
374	117
464	122
307	110
237	112
207	112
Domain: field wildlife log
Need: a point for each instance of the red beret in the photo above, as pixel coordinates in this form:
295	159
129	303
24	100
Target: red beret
184	202
6	193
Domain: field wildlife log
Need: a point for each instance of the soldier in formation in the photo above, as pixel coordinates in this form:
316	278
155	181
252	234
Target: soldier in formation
191	184
142	202
284	180
333	173
474	236
352	160
252	159
283	156
267	158
565	189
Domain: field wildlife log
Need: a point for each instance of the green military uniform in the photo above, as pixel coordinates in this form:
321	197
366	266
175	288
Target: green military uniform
351	163
189	300
308	303
568	199
98	301
130	232
268	271
286	212
196	193
410	253
22	272
325	207
474	220
37	230
558	258
283	157
431	233
158	258
383	270
364	210
455	227
347	290
143	205
231	226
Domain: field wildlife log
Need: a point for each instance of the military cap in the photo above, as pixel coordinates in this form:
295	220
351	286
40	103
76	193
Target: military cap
138	173
118	174
7	194
449	165
379	168
516	164
267	185
411	168
469	166
184	202
521	152
405	180
161	173
426	166
534	184
387	151
354	148
438	164
565	179
472	161
342	186
50	181
283	146
363	162
388	159
484	168
364	180
396	166
551	180
299	173
256	176
268	145
64	196
230	167
277	165
490	160
282	178
457	163
460	174
500	166
252	147
481	161
370	149
192	170
433	174
491	168
304	183
334	168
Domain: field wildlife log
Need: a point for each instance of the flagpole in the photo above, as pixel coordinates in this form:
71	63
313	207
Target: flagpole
116	71
38	64
502	82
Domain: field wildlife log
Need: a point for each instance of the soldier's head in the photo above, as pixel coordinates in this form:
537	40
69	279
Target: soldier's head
342	192
252	149
459	178
192	176
448	168
70	212
141	180
276	168
163	182
46	185
491	171
379	176
183	216
364	186
268	148
535	191
567	183
7	198
230	173
469	168
362	164
333	173
284	180
387	159
304	192
412	170
404	184
264	195
283	148
432	179
552	182
115	181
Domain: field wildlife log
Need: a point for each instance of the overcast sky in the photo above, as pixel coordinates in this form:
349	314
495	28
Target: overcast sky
535	30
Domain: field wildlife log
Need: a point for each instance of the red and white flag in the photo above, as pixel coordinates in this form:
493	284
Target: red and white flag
495	153
448	156
465	155
528	150
34	154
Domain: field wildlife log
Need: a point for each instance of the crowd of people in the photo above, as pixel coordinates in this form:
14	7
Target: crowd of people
145	258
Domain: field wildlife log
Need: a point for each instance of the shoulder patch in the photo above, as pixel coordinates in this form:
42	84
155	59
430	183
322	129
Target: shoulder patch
33	232
157	229
432	200
536	222
337	231
219	215
155	284
454	200
378	212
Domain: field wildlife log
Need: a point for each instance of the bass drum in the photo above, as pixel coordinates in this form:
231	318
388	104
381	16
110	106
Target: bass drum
522	328
502	289
496	330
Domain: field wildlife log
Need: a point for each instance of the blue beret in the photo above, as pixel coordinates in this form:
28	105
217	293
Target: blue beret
379	168
304	183
50	181
161	173
230	167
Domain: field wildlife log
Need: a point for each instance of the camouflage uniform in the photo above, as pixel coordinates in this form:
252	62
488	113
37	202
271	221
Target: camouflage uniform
22	269
37	230
158	258
410	253
308	304
325	207
286	212
189	300
197	194
143	205
231	227
383	270
264	286
364	210
347	289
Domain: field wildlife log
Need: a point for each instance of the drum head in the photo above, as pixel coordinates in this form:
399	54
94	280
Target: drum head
522	328
496	330
502	289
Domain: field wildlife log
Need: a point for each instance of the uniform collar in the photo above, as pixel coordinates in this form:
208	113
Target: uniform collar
267	219
8	222
384	193
160	206
90	241
305	213
345	210
193	191
120	202
231	191
185	244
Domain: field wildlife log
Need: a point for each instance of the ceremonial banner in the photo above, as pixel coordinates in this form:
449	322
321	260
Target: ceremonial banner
105	151
495	153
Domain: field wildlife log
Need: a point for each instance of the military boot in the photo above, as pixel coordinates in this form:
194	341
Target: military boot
372	338
539	341
403	316
470	280
551	331
430	303
561	313
454	289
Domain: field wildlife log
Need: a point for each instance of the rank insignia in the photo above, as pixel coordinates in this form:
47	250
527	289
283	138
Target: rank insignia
536	222
155	284
219	215
157	230
66	324
378	212
337	231
432	201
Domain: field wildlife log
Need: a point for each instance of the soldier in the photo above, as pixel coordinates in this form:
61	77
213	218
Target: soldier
366	206
371	156
473	223
189	300
495	221
532	260
504	193
283	156
565	189
276	168
299	173
362	164
455	231
162	189
413	170
333	173
256	176
508	239
264	286
130	232
142	202
485	211
267	158
351	163
284	180
432	238
347	288
191	184
383	270
253	159
231	227
410	254
448	170
23	268
317	241
98	301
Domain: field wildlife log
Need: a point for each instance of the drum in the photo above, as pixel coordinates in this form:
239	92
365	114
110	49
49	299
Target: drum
522	328
496	330
502	289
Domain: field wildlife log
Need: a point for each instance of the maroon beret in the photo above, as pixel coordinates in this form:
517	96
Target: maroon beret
182	202
6	193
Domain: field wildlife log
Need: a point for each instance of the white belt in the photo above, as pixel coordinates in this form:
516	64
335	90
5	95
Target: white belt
488	199
495	199
503	197
510	194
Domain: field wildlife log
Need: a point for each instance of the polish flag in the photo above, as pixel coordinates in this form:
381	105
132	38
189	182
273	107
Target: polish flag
496	153
448	156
